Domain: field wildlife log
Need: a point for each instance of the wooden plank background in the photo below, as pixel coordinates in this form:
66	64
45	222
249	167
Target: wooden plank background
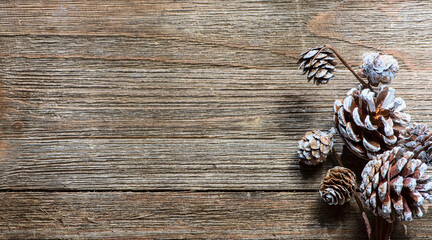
180	119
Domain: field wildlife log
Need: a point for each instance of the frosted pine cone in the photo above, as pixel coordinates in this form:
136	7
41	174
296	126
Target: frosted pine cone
318	65
417	138
370	123
338	186
394	185
315	146
378	68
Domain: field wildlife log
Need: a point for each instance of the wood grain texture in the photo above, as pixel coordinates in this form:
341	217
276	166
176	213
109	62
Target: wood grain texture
221	215
181	126
185	95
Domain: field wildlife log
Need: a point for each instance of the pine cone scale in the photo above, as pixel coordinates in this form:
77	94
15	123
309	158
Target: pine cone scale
382	190
312	73
311	53
387	140
396	185
341	116
371	145
355	148
351	133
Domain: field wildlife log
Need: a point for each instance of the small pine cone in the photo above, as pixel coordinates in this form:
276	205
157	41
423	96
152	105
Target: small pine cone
394	185
378	68
417	138
338	186
315	146
318	65
370	123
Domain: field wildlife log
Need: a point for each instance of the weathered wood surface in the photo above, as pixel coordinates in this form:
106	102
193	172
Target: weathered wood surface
175	96
162	215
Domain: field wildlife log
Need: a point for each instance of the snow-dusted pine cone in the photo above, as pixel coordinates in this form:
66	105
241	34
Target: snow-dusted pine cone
417	138
315	146
317	65
394	185
378	68
338	186
370	123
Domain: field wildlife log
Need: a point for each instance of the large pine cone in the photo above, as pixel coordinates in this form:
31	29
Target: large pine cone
394	187
417	138
318	65
315	146
370	123
378	68
338	186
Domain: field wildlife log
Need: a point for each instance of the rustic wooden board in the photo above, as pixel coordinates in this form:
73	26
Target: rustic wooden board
168	215
170	95
184	95
85	127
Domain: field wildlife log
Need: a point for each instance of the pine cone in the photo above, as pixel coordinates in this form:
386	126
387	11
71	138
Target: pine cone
315	146
318	65
378	68
417	138
394	187
338	186
370	123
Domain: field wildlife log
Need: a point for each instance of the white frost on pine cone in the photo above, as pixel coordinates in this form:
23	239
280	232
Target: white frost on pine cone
377	67
329	196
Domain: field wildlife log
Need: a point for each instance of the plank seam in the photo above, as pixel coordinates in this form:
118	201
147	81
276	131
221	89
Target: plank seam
152	191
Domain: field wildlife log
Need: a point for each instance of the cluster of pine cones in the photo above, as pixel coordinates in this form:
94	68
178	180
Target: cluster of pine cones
373	125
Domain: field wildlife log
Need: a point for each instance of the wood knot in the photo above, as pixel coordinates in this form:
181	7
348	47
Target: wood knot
18	126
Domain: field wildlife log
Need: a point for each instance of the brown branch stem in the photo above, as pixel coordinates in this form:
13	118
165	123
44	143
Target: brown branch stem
378	228
344	62
359	204
364	216
383	229
336	156
388	228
